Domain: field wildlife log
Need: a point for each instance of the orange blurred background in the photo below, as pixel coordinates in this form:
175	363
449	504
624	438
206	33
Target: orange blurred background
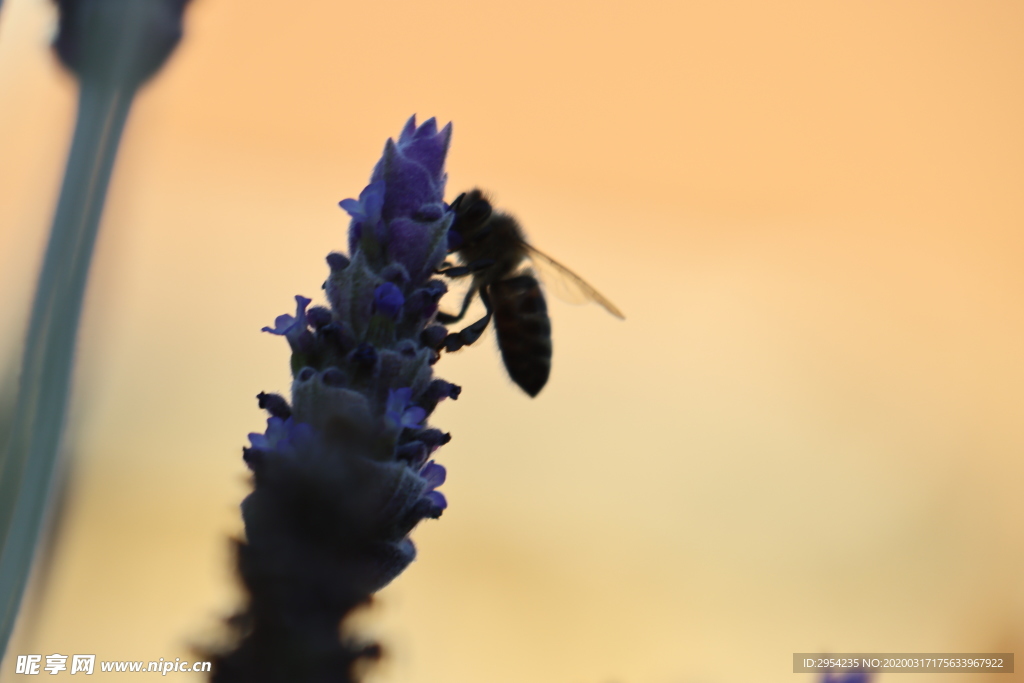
806	436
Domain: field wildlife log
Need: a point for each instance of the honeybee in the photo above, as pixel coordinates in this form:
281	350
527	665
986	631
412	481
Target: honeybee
491	248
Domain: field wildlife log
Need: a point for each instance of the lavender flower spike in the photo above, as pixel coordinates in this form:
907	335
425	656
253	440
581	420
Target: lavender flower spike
343	472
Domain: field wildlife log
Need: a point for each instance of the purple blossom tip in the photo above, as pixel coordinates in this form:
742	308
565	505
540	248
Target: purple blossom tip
425	144
337	262
388	300
408	129
413	169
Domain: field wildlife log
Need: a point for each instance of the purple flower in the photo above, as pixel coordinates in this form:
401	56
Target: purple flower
292	327
281	435
365	212
434	475
388	300
284	437
398	411
367	207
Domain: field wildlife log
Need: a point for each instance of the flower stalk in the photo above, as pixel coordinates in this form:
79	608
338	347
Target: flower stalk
112	47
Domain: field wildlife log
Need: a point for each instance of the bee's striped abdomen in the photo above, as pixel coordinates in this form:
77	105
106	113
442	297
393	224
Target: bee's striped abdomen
524	331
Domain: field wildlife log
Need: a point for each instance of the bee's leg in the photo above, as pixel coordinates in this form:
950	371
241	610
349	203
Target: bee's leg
455	341
468	269
448	318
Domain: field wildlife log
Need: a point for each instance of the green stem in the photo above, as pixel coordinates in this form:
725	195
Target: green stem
27	469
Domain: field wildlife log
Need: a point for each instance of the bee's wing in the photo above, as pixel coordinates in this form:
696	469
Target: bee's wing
567	285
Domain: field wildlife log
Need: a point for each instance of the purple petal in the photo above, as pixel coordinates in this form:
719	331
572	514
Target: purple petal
437	498
300	307
282	324
434	474
368	206
292	327
427	130
413	417
398	399
408	129
277	430
429	148
353	207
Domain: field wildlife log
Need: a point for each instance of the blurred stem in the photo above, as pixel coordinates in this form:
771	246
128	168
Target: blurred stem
39	414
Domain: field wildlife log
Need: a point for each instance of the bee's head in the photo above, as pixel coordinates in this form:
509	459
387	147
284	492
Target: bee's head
472	211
